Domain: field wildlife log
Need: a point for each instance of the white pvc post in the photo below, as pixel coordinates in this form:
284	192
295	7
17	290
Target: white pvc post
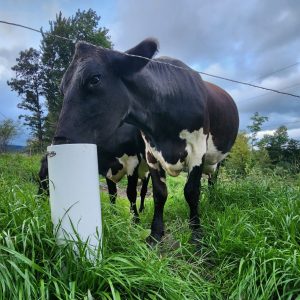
74	193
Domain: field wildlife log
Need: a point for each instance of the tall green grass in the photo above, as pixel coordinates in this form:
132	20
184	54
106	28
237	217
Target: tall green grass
250	248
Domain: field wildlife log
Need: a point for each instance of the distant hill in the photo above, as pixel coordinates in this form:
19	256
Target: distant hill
15	148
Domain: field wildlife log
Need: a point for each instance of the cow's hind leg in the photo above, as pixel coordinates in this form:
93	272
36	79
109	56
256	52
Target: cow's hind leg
192	195
112	190
145	182
160	194
132	194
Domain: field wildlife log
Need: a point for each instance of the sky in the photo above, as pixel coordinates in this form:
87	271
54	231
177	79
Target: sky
251	41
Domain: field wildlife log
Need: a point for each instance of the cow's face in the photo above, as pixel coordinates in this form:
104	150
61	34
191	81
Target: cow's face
96	99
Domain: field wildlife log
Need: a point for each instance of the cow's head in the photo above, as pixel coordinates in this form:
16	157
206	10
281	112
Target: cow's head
96	99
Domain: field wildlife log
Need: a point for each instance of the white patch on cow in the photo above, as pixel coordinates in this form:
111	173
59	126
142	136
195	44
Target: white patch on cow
196	146
109	174
212	157
129	164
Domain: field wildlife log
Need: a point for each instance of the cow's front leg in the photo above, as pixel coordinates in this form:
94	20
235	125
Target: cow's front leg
192	195
132	194
160	194
112	190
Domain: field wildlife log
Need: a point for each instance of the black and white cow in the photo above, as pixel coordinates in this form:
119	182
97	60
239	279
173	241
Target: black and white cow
186	123
122	154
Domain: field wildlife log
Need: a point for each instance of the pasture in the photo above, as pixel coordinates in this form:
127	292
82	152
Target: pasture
250	248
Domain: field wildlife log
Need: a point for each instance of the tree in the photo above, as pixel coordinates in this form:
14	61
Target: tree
280	137
58	52
282	150
292	154
8	131
255	127
275	144
240	155
28	84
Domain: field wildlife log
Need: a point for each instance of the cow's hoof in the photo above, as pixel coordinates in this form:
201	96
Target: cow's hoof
152	241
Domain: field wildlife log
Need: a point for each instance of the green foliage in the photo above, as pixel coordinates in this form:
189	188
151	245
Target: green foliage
8	131
255	127
282	151
57	54
28	84
250	248
261	159
292	154
240	156
275	150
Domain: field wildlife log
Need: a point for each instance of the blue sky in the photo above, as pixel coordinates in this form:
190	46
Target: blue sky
244	40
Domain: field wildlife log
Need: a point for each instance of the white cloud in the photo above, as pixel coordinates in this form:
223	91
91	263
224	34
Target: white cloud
292	133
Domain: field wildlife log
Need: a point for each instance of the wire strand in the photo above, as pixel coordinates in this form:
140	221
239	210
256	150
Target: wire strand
268	93
169	64
276	71
214	76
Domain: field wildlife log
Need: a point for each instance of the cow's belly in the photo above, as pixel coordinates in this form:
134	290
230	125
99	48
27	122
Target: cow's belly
128	163
197	145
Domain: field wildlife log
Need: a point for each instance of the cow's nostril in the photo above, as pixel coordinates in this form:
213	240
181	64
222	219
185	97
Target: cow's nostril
57	140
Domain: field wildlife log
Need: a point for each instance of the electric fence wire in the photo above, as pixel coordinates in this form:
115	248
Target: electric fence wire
160	62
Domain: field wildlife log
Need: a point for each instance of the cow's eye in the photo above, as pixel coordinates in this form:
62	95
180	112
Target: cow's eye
94	80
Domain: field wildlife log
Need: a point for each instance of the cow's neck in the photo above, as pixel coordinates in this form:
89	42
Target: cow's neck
139	117
143	103
157	101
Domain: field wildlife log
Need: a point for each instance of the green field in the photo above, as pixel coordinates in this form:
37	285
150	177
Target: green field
250	248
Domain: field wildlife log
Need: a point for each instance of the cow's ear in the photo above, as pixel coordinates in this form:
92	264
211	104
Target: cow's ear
136	58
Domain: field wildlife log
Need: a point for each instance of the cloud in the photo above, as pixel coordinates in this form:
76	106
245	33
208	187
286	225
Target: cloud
7	60
243	40
292	133
239	33
16	39
240	40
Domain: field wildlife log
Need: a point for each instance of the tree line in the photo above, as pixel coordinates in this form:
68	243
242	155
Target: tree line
272	151
38	72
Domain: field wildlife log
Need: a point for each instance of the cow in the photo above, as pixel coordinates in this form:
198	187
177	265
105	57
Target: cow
123	154
186	123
